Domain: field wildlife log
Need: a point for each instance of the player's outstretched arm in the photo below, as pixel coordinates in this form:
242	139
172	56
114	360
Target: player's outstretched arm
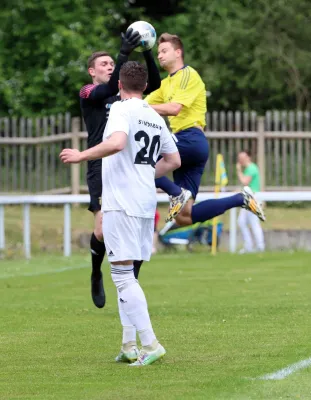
115	143
154	79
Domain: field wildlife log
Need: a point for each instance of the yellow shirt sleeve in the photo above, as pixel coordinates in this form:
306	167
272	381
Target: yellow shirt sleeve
188	90
155	97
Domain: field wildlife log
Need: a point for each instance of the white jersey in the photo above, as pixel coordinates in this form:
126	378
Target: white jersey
128	176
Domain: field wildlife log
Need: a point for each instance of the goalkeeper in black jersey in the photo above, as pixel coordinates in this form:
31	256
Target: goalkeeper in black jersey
95	100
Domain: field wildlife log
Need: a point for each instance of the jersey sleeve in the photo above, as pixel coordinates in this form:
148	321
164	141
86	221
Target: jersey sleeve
168	144
97	92
155	97
85	91
118	120
189	88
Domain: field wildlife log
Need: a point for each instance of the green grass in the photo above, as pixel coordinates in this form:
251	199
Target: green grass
222	320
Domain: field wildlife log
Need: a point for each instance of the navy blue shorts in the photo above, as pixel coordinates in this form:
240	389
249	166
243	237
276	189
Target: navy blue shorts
193	149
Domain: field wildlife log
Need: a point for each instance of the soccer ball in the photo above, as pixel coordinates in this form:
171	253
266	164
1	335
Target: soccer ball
147	33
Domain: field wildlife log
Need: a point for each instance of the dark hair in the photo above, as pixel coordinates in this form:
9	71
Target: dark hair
92	58
174	40
133	76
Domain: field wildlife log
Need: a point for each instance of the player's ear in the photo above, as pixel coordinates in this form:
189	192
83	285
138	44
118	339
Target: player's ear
119	85
178	52
91	71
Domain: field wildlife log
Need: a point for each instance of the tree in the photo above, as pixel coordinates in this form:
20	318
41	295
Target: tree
251	54
44	48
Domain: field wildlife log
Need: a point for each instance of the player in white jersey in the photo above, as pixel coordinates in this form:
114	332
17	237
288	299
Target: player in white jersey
134	138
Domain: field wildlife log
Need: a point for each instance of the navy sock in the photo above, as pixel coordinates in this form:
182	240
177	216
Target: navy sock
137	265
209	209
98	250
168	186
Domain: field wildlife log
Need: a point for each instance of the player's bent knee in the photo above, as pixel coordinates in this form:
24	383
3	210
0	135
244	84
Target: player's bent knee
98	232
183	220
98	229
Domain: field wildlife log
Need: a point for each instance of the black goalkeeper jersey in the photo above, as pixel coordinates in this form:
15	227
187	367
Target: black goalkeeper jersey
95	114
96	101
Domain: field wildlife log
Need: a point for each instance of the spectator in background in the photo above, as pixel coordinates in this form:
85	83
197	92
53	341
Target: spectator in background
248	174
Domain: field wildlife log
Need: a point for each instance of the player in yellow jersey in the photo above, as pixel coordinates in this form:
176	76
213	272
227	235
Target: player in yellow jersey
182	98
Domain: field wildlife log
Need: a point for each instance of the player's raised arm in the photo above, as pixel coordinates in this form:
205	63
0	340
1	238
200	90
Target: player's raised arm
154	79
130	40
103	90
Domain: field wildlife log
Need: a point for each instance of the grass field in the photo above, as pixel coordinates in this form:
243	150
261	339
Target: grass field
47	225
223	321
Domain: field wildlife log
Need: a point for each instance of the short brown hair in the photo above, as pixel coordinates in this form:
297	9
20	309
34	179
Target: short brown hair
133	76
174	40
92	58
247	152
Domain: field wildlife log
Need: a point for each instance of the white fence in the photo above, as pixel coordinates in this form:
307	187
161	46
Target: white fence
67	200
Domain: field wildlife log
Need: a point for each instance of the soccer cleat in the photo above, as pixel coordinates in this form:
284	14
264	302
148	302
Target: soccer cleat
149	357
97	289
177	203
128	356
251	204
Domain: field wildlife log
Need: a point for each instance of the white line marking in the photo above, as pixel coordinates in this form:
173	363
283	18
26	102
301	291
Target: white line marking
49	271
290	369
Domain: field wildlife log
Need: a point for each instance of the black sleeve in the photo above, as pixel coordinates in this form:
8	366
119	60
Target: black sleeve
105	90
154	79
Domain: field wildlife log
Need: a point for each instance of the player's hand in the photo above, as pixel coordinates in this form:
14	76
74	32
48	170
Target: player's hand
238	167
71	156
146	52
130	40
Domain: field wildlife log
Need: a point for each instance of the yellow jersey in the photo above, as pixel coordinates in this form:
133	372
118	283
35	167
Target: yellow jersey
187	88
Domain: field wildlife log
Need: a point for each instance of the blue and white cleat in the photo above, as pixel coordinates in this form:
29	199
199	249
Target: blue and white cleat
128	356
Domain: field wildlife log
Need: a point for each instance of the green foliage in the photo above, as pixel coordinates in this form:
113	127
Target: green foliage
45	46
251	54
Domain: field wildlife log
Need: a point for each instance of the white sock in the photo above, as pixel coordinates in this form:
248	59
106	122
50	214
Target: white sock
136	309
134	302
129	330
123	275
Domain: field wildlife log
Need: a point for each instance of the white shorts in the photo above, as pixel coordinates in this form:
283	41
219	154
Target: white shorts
127	238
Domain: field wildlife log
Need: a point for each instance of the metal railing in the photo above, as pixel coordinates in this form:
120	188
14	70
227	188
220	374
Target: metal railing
68	200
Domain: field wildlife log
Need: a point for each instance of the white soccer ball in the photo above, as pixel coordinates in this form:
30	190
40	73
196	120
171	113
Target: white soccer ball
147	33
